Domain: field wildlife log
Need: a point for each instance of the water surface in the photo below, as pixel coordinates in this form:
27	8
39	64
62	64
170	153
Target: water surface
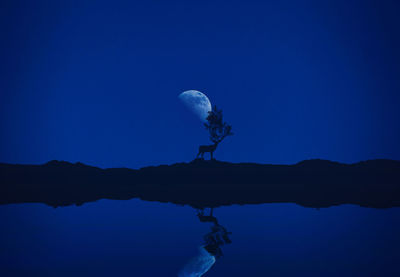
138	238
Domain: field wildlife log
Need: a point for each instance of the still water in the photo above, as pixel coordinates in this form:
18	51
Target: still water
138	238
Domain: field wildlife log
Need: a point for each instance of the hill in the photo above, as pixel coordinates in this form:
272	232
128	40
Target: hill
310	183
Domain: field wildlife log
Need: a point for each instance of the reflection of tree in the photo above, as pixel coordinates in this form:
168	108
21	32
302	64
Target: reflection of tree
217	237
209	252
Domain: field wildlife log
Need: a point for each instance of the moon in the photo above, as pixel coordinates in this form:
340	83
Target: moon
197	102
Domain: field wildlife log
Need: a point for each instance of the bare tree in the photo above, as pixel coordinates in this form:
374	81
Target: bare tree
218	130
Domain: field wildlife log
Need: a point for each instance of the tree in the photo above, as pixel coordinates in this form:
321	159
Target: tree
215	125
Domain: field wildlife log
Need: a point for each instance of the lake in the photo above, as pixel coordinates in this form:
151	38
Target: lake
138	238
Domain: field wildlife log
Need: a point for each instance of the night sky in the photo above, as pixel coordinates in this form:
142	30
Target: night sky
99	82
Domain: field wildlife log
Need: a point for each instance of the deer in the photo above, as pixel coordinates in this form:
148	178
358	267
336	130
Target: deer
207	149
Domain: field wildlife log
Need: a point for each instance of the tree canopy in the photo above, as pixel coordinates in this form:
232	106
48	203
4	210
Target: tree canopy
215	125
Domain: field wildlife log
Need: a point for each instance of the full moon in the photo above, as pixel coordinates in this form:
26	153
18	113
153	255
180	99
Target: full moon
197	102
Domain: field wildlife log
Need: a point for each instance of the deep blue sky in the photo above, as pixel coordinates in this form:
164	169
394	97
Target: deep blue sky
98	82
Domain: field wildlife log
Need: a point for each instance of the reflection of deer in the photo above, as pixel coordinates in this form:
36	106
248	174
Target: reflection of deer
207	148
207	218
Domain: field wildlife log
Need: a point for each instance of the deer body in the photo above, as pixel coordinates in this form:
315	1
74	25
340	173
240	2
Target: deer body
207	149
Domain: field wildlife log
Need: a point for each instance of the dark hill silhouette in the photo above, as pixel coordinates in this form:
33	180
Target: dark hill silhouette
311	183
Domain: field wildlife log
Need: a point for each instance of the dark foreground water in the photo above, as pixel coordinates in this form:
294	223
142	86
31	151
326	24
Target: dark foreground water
137	238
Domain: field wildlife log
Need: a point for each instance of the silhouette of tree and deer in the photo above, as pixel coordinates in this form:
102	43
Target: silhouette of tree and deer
218	131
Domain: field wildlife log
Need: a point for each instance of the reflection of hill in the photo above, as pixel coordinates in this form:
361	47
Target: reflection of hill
313	183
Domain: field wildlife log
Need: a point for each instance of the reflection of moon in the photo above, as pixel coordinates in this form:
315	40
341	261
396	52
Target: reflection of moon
198	265
197	102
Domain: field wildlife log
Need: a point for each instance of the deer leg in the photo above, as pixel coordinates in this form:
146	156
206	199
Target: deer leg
211	153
